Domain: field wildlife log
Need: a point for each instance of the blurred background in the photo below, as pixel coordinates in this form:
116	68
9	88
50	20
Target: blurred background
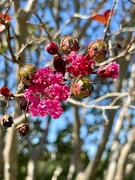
95	143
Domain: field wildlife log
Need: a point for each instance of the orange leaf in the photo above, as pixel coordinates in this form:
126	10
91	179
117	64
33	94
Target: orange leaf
103	18
6	18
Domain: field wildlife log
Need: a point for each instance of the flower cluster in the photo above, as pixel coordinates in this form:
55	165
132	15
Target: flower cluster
79	65
46	88
109	71
46	93
43	90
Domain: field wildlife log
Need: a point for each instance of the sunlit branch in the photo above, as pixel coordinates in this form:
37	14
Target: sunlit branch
120	55
57	172
117	94
121	30
105	117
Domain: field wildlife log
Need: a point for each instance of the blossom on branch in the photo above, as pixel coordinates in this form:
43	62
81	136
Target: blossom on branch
109	71
79	65
46	93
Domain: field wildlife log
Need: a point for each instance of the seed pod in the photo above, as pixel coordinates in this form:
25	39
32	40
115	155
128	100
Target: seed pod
68	44
22	129
7	121
26	73
97	50
82	88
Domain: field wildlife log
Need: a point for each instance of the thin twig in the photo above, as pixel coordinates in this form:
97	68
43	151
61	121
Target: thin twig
9	38
6	56
48	33
120	55
8	8
108	22
121	30
105	117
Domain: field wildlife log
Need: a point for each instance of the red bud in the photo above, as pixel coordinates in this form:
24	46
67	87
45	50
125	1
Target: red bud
52	48
5	92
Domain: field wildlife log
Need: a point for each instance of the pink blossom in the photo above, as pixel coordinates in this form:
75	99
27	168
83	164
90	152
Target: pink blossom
46	93
109	71
79	65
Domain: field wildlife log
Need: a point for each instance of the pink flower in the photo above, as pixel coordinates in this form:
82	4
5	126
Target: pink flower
79	65
46	93
109	71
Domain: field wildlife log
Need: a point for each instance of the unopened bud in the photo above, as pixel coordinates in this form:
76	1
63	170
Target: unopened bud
26	73
52	48
68	44
82	88
5	92
97	50
24	105
59	64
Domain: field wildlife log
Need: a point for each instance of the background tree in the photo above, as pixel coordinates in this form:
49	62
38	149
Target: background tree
95	137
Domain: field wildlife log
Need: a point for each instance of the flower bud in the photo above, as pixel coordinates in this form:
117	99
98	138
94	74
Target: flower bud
22	129
5	92
24	105
97	50
109	71
82	88
26	73
7	121
59	65
68	44
52	48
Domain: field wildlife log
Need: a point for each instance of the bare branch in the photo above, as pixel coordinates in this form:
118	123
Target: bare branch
92	103
77	141
115	3
121	30
123	156
71	171
42	25
131	2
